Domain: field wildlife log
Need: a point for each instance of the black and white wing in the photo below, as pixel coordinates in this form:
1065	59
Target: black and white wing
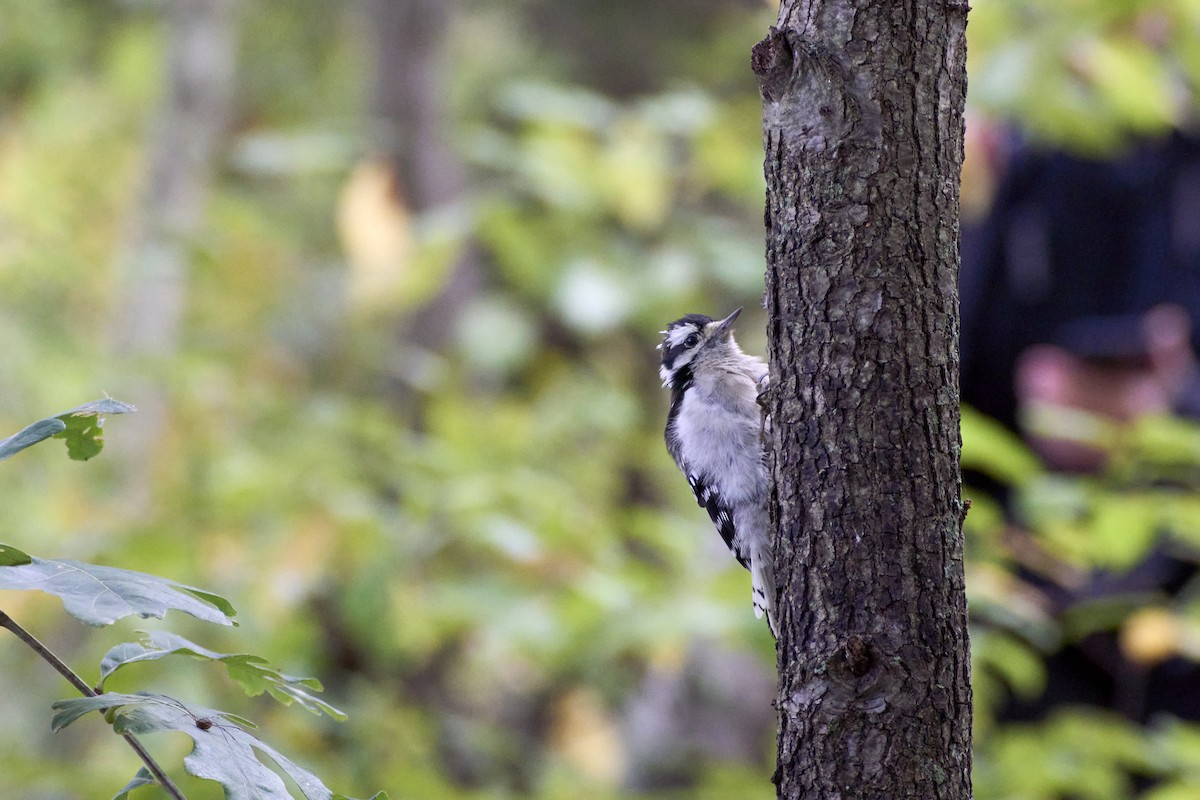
721	514
751	551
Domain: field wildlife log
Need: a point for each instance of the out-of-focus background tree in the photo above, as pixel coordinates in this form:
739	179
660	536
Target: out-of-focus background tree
385	277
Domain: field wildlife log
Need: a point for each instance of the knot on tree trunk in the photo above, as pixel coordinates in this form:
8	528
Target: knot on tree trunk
772	60
856	656
811	94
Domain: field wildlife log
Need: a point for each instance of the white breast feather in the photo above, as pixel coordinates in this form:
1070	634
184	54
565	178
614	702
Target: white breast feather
723	446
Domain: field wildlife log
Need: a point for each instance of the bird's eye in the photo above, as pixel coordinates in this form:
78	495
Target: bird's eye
691	341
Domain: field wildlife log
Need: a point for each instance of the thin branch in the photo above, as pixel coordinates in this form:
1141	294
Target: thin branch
28	638
164	781
50	658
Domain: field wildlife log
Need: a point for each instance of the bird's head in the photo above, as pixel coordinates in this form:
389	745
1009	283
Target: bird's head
692	343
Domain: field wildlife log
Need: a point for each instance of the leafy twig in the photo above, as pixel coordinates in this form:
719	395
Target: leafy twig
50	658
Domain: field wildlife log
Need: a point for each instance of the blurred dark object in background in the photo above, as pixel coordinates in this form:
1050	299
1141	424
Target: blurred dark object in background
1080	293
1069	238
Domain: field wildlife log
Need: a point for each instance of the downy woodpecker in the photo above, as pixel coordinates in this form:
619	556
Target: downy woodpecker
714	433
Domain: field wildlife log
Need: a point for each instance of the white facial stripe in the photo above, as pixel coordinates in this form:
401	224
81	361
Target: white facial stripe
676	336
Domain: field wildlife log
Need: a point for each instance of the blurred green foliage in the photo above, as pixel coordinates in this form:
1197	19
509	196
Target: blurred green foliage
1074	528
224	751
446	536
1086	76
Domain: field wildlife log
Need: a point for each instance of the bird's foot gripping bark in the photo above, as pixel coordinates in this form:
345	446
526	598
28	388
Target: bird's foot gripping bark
764	402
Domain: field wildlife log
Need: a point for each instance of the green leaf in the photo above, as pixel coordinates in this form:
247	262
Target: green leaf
83	427
98	595
142	778
1134	80
1123	529
1105	613
991	448
253	672
1183	790
29	436
1016	663
12	557
1180	743
223	750
80	427
1166	440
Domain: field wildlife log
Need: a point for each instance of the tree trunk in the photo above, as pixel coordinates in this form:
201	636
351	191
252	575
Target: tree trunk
408	103
863	132
182	157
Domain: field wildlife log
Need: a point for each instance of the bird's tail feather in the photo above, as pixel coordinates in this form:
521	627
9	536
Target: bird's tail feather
762	584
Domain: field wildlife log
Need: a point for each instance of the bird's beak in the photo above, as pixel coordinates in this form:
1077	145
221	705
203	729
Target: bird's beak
726	325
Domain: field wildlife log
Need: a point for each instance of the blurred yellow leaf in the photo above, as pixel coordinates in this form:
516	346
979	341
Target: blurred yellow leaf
375	231
1150	636
587	736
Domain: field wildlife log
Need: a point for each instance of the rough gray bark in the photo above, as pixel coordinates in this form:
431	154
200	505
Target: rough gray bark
863	132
